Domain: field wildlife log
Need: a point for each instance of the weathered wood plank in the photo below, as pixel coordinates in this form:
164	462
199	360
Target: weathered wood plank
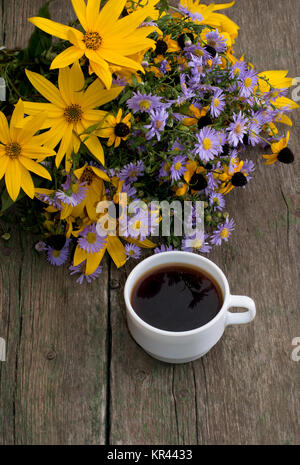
53	384
16	30
244	390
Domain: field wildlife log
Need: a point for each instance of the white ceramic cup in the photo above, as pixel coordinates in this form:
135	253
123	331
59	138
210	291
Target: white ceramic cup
185	346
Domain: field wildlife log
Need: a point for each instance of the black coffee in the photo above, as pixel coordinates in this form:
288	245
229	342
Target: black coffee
176	298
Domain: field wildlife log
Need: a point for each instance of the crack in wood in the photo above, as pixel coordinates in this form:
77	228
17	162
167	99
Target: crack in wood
108	357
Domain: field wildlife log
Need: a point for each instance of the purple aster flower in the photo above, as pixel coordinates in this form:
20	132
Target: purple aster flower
217	104
222	232
193	16
212	183
238	69
217	201
143	102
50	200
208	144
73	193
41	246
90	241
248	168
81	269
237	129
178	167
58	257
214	40
128	189
138	226
247	82
164	66
132	251
188	93
253	134
132	171
164	169
196	243
158	122
164	248
119	81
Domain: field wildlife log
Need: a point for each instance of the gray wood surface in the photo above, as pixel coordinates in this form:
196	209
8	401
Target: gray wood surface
73	374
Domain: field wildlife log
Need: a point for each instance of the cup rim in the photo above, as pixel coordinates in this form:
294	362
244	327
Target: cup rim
128	287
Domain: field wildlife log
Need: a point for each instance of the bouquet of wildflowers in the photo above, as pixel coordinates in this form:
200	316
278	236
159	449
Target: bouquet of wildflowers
139	102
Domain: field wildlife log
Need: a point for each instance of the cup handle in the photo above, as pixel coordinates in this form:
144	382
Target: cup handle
244	317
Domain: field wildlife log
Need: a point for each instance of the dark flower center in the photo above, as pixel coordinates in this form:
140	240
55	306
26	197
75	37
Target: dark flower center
286	156
57	241
208	166
122	130
13	150
115	211
87	176
239	180
204	121
92	40
73	113
161	47
198	182
183	38
211	50
226	150
246	139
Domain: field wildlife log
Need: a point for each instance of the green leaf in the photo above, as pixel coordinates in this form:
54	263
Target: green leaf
39	41
7	202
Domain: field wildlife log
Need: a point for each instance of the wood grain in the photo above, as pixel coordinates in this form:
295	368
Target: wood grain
74	375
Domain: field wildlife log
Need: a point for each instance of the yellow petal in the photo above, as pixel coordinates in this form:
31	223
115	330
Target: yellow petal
109	14
64	145
92	13
93	261
95	147
79	7
4	129
26	182
34	108
46	89
96	96
33	166
79	256
100	173
116	250
3	165
51	27
35	151
67	57
120	60
31	127
103	72
16	118
13	179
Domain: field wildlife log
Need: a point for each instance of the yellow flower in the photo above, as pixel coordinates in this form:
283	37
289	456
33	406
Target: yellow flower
276	79
70	111
210	18
192	168
280	152
196	115
115	128
93	177
18	149
227	174
106	40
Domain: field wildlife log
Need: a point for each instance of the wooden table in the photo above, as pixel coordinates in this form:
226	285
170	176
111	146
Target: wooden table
73	375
